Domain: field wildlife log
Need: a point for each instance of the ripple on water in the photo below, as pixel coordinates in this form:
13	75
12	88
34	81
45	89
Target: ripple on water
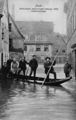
31	102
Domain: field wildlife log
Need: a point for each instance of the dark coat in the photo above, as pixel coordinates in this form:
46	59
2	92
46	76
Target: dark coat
47	66
67	68
4	70
9	63
33	64
22	64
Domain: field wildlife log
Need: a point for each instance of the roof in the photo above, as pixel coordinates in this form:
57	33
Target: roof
15	32
38	43
35	26
31	29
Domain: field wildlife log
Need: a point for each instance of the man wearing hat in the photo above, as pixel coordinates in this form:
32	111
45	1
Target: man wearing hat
33	65
47	65
22	65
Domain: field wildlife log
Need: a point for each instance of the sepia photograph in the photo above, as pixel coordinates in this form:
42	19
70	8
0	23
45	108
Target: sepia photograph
37	59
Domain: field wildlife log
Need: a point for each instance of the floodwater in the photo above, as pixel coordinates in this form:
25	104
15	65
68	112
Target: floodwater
23	101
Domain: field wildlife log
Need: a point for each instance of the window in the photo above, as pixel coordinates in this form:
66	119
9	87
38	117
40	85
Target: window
63	51
10	27
46	48
38	48
56	51
25	48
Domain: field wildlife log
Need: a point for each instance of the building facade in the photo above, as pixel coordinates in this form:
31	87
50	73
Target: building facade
4	33
45	47
16	39
71	32
41	49
41	40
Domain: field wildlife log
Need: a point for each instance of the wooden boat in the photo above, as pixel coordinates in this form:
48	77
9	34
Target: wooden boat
39	80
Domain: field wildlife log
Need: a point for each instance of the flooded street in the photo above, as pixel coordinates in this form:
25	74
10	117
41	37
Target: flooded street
23	101
37	35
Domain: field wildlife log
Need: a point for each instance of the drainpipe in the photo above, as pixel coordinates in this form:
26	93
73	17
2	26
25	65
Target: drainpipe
2	48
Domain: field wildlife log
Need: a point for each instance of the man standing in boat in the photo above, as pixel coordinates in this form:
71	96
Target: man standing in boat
22	66
33	64
14	66
47	65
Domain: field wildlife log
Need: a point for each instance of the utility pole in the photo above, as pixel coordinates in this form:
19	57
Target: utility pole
1	15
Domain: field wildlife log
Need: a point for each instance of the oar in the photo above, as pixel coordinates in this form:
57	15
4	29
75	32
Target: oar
50	68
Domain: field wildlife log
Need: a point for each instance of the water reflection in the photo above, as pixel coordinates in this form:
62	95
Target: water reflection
4	96
19	100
